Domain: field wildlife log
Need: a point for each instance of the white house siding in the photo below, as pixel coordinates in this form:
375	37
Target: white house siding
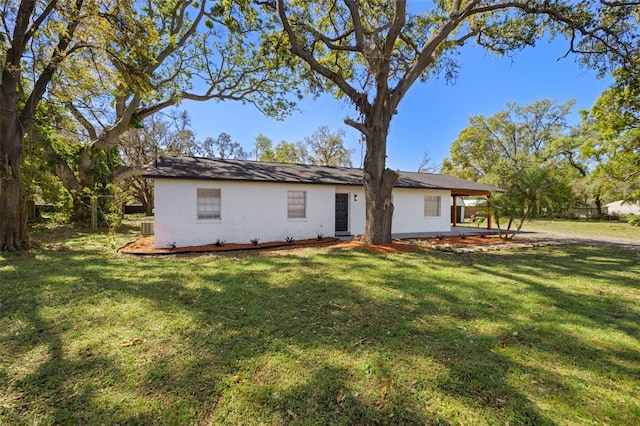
259	210
408	212
621	207
248	210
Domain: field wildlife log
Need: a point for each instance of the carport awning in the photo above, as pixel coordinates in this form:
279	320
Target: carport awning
455	193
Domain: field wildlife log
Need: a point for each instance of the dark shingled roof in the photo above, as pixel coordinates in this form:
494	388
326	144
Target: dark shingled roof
257	171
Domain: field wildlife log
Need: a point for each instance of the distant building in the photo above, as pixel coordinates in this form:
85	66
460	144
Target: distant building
623	207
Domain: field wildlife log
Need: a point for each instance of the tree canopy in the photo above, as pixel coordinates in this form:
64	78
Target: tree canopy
166	53
516	138
614	145
323	147
221	147
327	148
283	152
517	150
107	66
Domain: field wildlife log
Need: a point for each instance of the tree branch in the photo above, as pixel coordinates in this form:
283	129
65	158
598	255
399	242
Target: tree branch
57	56
358	126
37	23
91	130
172	47
357	23
330	42
399	20
126	172
359	99
620	3
109	138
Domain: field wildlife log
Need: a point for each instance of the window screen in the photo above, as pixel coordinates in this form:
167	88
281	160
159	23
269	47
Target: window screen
296	204
208	203
432	206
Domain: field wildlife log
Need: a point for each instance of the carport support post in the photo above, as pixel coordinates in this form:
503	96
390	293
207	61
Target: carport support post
488	211
455	211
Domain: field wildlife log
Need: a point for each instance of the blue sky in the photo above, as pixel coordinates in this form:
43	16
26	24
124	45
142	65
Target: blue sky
431	115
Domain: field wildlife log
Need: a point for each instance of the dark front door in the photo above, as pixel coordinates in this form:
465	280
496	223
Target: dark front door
342	213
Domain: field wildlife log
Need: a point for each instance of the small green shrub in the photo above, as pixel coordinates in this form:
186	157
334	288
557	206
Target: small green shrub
633	219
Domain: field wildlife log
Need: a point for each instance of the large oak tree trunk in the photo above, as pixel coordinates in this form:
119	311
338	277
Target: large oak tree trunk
13	220
378	184
379	209
15	124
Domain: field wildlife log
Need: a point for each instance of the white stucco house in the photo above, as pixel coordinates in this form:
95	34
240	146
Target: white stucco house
201	200
623	207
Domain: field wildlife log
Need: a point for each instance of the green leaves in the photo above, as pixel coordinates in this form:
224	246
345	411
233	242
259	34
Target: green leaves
614	126
322	148
490	148
516	149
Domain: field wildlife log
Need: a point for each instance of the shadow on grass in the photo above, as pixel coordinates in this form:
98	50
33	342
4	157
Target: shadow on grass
599	305
337	338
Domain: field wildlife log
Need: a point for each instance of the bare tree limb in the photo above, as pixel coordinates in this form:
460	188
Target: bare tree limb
126	172
91	130
356	97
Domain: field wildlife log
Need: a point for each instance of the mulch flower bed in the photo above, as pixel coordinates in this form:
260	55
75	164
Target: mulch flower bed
460	244
145	246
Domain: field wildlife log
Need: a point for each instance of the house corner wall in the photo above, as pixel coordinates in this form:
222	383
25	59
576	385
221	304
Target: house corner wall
248	210
408	212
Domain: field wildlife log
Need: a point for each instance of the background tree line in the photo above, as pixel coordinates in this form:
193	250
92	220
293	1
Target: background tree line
546	166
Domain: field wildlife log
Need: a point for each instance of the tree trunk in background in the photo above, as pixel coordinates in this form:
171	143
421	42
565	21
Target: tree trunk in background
599	206
148	204
81	208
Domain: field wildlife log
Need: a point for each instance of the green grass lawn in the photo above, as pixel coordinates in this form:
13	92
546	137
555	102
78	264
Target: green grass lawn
586	227
537	336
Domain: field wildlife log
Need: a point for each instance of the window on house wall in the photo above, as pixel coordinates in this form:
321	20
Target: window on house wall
297	204
208	203
432	205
